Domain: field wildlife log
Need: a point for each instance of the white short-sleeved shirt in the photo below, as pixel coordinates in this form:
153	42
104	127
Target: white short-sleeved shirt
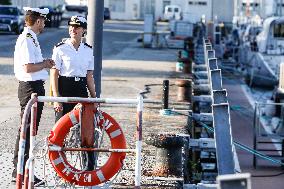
27	51
72	63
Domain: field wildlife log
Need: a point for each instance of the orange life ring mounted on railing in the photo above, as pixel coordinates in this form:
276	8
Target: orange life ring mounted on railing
86	178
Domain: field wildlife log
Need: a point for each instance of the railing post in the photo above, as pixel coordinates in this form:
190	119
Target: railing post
22	143
223	138
210	54
138	142
220	96
33	132
87	132
212	63
216	79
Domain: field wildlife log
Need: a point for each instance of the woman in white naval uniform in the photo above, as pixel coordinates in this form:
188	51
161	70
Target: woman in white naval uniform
72	74
30	70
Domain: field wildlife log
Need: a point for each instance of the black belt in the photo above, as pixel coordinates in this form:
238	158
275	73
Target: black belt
35	82
81	79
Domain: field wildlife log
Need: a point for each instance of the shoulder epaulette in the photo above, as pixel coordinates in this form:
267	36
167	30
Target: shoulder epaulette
58	44
29	35
86	44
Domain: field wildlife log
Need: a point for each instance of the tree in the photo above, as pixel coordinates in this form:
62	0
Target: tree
5	2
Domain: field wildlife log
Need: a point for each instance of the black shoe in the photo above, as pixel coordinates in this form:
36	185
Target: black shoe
38	181
13	180
14	176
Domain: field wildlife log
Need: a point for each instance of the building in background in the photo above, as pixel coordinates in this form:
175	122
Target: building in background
262	8
136	9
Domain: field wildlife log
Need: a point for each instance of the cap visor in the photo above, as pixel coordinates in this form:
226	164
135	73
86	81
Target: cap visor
74	23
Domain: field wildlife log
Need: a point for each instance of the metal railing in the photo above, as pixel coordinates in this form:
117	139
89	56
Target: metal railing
31	108
211	110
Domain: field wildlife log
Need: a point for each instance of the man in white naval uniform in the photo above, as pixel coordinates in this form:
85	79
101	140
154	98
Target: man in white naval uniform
31	70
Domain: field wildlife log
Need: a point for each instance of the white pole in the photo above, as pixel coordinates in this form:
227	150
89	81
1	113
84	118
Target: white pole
32	142
86	100
138	142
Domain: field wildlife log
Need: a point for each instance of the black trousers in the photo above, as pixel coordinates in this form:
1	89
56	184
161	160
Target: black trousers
73	87
25	90
69	87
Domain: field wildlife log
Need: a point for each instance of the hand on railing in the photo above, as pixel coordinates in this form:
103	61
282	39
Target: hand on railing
79	106
57	106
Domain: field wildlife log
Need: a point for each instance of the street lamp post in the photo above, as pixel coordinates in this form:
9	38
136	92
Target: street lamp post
95	37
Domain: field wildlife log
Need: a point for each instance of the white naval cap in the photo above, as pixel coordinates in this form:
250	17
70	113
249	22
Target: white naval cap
79	21
41	11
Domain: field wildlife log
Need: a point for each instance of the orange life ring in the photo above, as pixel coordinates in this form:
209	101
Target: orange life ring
79	177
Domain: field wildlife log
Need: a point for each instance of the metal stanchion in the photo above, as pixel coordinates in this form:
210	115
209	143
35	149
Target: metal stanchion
165	99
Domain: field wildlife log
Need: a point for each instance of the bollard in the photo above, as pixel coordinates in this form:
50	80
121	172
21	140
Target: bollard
165	100
168	154
184	90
